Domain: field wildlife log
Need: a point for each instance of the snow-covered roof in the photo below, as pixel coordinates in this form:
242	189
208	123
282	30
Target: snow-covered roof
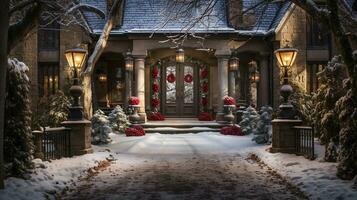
147	16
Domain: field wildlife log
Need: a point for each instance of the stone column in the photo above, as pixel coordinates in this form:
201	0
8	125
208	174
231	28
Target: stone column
222	82
140	84
128	87
264	86
232	84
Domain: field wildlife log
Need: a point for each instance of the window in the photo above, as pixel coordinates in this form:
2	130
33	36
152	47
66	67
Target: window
317	36
48	78
48	36
313	69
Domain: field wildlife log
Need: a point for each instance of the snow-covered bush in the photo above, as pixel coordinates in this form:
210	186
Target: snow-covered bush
249	121
18	144
100	128
52	111
263	131
118	120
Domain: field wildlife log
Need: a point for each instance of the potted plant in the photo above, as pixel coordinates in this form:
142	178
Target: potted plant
229	107
134	117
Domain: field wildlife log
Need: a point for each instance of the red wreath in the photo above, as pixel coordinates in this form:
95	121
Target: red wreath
155	72
204	73
204	101
188	78
171	78
155	102
204	87
155	87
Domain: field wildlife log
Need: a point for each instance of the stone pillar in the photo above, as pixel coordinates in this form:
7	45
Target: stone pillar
222	82
232	84
284	138
80	136
263	89
140	84
128	86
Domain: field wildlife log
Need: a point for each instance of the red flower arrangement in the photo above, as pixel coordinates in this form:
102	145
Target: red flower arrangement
155	87
134	101
204	73
229	100
204	101
188	78
155	102
171	78
155	72
205	117
204	87
135	130
156	117
232	130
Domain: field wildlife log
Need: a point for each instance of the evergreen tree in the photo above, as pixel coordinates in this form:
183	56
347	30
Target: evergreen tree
263	132
18	143
249	121
100	128
118	120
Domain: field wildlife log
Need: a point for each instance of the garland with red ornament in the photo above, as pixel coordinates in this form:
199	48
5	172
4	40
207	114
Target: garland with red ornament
204	89
155	97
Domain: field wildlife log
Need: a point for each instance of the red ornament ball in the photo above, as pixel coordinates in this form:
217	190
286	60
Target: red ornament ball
204	73
155	72
204	87
171	78
188	78
155	87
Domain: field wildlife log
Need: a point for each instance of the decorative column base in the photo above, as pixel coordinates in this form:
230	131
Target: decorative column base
143	117
80	136
284	139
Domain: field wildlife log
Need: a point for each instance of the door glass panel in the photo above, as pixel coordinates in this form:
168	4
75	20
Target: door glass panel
188	84
171	84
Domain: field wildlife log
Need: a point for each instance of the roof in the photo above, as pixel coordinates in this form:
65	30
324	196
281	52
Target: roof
148	16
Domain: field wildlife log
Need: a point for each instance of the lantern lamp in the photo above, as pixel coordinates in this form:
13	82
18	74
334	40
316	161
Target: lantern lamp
76	57
129	61
234	63
256	76
102	78
180	55
286	56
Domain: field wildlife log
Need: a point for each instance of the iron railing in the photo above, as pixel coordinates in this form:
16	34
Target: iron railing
305	141
52	143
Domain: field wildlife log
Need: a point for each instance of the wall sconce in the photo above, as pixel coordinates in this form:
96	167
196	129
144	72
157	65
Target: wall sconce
234	63
102	78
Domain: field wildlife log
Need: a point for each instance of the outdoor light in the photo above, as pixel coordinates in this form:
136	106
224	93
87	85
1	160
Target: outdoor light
75	58
234	63
129	61
180	55
102	78
256	76
286	57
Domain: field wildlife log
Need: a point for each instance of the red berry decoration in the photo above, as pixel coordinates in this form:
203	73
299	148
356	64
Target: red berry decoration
155	87
188	78
204	87
229	101
135	130
171	78
134	101
232	130
204	73
205	117
155	72
155	102
204	101
156	117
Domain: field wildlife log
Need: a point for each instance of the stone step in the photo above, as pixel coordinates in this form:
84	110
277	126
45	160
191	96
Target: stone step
175	130
183	125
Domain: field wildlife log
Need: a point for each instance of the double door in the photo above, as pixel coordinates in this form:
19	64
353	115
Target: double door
180	90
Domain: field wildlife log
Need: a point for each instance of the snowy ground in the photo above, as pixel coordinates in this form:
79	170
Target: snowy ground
188	166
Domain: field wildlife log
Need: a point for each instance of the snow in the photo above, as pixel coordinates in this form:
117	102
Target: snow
316	178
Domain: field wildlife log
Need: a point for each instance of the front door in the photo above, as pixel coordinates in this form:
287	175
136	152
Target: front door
180	90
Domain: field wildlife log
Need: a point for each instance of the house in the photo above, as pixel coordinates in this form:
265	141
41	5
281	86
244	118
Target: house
247	29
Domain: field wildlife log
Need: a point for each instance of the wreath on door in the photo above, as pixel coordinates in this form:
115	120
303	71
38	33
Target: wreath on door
188	78
171	78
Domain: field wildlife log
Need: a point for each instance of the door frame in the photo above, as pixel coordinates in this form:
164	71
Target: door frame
196	92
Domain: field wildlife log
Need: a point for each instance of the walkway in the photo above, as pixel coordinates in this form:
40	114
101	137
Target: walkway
190	166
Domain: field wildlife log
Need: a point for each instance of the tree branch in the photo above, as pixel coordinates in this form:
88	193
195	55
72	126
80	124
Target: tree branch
86	7
21	5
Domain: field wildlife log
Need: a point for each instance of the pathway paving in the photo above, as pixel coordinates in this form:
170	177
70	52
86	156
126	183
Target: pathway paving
190	172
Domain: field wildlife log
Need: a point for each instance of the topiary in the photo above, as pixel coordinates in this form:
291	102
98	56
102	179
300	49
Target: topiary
263	131
249	121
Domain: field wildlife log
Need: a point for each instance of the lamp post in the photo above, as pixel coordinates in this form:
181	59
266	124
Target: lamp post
233	70
75	58
286	57
180	55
